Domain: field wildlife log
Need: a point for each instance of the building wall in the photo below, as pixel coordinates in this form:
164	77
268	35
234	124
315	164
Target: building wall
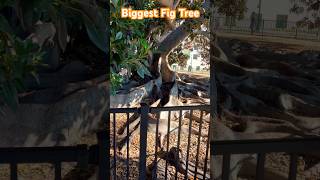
194	63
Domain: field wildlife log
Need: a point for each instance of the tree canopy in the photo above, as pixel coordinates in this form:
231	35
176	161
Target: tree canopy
311	10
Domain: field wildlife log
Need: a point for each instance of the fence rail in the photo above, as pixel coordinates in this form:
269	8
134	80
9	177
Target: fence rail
267	28
294	147
82	154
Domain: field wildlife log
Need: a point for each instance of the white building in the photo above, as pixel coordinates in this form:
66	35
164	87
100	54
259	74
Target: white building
194	63
271	8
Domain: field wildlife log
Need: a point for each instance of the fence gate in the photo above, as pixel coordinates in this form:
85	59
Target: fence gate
147	145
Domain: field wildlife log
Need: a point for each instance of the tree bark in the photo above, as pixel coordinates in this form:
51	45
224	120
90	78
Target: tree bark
63	122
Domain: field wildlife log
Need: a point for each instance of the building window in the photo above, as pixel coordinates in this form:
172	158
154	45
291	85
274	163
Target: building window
195	56
282	21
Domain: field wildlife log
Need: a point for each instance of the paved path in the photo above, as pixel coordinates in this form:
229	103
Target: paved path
305	44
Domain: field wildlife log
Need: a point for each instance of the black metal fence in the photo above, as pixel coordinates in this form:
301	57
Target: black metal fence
294	147
267	28
172	143
82	154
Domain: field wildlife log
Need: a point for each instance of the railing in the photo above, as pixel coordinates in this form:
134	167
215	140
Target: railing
82	154
189	164
294	147
267	28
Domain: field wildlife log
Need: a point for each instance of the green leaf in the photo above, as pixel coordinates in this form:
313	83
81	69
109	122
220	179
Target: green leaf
62	32
119	35
97	36
4	25
146	71
115	2
9	94
6	3
146	63
35	76
97	32
144	43
140	72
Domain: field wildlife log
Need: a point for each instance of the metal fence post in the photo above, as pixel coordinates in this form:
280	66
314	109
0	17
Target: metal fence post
143	140
230	25
262	30
103	154
296	36
213	87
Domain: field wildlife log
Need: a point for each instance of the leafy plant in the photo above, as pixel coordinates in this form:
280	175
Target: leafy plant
66	14
17	60
20	57
129	47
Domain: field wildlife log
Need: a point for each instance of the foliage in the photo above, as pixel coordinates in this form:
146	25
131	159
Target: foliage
311	10
18	59
66	14
131	40
129	47
235	8
178	56
202	43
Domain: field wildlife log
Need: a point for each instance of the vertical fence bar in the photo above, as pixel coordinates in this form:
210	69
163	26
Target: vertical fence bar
230	21
226	166
168	137
260	166
207	154
213	88
114	148
13	171
154	170
293	167
127	162
106	119
178	143
198	146
262	30
83	156
57	170
143	141
188	146
103	155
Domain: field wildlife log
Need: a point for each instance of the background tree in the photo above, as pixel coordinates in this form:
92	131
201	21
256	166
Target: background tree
311	10
179	56
231	8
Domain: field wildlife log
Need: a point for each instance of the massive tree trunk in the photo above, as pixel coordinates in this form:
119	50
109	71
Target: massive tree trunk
56	116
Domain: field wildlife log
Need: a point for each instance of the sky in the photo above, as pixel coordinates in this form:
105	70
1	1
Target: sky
270	9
